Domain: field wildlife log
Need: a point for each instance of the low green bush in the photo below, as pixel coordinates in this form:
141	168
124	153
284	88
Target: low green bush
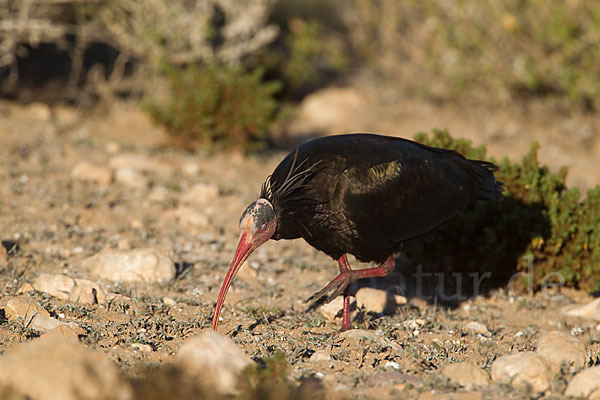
217	106
540	223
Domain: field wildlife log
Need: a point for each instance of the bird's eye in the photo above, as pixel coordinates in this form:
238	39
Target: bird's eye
263	226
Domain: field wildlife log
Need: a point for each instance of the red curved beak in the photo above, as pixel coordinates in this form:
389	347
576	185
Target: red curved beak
245	246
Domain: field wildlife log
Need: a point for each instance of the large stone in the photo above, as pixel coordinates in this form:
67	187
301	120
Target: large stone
44	324
477	328
54	368
214	358
586	384
86	171
320	355
560	347
590	310
522	369
138	265
75	290
15	307
373	300
466	374
333	309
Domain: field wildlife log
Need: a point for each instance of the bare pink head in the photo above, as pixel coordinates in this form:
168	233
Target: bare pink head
257	224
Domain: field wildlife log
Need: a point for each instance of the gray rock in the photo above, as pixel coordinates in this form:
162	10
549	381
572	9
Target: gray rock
55	368
477	327
75	290
526	368
138	265
586	384
131	177
86	171
320	355
43	324
373	300
590	310
560	347
466	374
214	358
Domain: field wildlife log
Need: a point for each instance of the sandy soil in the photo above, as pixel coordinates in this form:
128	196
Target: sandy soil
58	221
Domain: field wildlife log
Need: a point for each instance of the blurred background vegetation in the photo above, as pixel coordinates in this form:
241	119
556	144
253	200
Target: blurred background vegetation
196	64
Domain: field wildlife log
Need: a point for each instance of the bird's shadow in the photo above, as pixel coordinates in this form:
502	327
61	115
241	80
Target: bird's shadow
480	250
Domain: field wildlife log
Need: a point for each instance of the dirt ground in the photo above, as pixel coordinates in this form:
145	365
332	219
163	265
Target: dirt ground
58	221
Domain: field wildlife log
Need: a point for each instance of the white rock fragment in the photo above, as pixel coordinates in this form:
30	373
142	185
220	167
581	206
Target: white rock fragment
214	358
334	308
190	168
320	355
75	290
131	177
526	368
590	310
200	194
372	300
560	347
144	348
477	327
138	265
466	374
86	171
56	368
392	364
169	301
586	384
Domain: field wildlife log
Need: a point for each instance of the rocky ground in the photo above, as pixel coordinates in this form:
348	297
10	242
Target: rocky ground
114	247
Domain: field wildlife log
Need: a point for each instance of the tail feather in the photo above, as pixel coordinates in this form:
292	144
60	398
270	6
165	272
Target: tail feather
480	175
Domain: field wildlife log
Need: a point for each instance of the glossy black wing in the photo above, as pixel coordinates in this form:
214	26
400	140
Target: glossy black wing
410	189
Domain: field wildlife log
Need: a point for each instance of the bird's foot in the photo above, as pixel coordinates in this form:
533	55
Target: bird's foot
334	288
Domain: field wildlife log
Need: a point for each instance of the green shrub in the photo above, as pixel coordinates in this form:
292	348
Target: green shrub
313	55
221	106
538	219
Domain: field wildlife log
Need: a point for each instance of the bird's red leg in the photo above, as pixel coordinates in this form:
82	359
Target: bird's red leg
347	276
346	322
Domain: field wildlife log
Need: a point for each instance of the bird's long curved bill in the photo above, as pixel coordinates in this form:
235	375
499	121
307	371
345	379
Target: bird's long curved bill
244	248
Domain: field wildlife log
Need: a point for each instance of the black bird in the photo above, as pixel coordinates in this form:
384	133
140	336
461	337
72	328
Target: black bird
362	194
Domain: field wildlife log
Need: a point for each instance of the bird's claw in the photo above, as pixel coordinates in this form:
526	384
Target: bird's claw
333	288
